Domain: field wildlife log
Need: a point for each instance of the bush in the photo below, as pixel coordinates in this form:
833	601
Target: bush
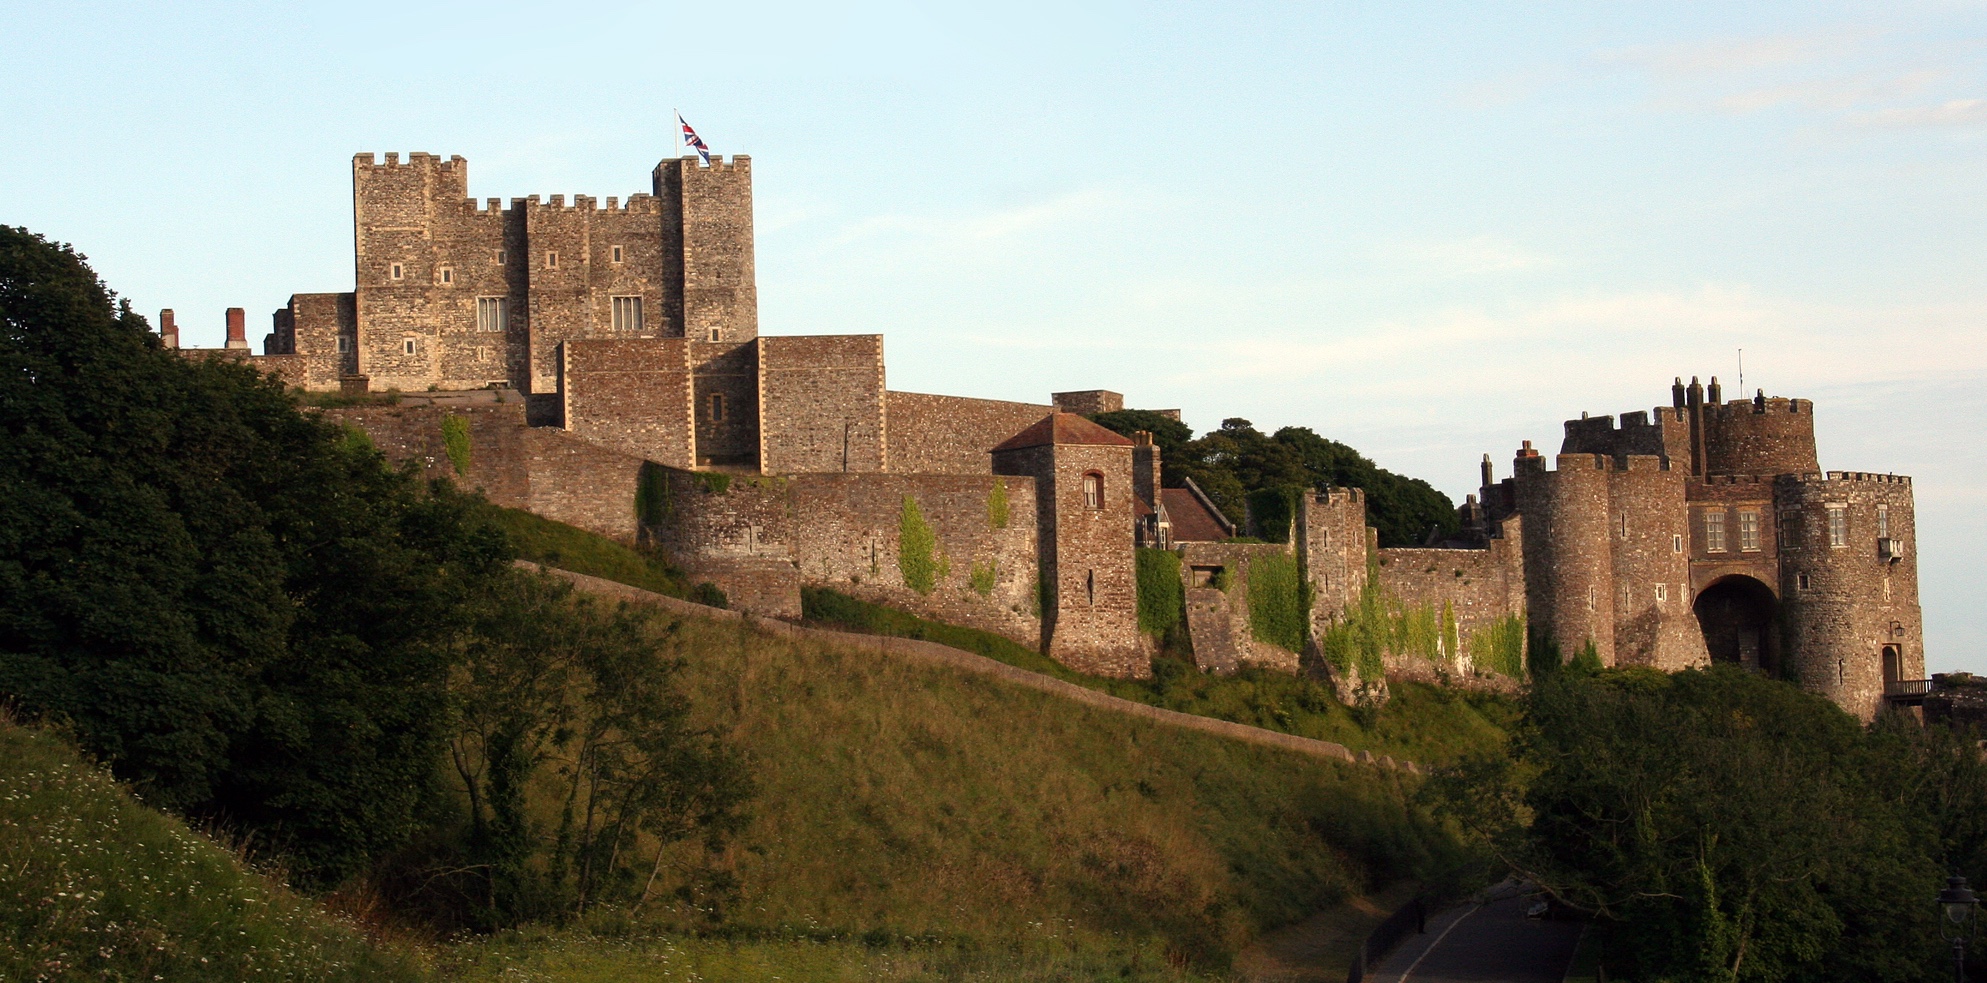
916	544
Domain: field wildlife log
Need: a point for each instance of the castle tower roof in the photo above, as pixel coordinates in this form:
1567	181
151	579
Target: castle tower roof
1063	428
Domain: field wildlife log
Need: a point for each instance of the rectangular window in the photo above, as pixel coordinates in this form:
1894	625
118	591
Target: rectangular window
717	407
407	345
448	275
393	272
617	254
500	257
552	261
627	314
493	314
1883	522
717	334
1748	531
1662	593
344	344
1791	528
1624	525
1838	526
1676	544
1714	531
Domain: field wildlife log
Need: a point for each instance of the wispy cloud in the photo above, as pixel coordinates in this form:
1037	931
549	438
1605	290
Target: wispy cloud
1475	256
1952	112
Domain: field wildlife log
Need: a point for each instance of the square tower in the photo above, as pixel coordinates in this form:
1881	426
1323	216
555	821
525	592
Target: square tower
1089	580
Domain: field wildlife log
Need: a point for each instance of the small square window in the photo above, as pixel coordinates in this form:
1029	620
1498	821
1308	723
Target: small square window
500	257
448	275
617	254
344	344
717	334
552	261
393	272
407	346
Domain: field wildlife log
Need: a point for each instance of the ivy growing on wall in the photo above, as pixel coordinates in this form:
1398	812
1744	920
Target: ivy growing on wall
1360	636
1161	599
916	548
714	482
997	513
983	577
653	505
455	439
1276	601
1499	647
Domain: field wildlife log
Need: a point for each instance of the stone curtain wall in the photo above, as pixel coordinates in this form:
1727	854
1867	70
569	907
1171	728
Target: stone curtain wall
951	434
844	531
1218	617
633	396
821	404
499	461
1855	600
1477	587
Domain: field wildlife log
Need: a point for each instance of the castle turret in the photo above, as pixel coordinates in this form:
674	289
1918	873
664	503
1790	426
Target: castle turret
1569	562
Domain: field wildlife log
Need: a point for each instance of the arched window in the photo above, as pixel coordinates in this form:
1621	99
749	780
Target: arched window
1093	490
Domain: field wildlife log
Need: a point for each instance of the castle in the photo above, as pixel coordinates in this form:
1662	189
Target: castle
601	364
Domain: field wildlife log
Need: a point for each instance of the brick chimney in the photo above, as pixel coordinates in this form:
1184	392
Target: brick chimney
237	328
168	331
1145	467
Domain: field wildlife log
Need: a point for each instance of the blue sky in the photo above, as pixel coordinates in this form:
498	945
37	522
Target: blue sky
1428	230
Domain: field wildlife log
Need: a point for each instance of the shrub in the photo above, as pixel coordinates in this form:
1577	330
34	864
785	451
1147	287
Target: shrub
997	509
455	439
983	577
1500	647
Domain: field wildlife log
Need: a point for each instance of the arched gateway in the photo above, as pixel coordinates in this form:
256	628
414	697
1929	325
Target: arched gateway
1740	618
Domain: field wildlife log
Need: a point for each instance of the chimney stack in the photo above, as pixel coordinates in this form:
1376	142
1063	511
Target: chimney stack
237	328
168	331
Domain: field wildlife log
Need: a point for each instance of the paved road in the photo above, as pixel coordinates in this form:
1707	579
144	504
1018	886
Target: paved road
1481	944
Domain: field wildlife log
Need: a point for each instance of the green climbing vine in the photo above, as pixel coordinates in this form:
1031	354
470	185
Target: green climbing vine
997	512
455	439
1161	598
1276	601
916	546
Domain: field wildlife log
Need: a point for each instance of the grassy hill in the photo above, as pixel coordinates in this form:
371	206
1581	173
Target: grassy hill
95	885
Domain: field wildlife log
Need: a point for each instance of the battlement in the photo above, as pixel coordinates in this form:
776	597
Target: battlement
637	204
416	159
1763	404
1824	477
1340	496
1735	479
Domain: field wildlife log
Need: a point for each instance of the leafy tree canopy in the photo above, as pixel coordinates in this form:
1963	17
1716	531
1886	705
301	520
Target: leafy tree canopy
1239	466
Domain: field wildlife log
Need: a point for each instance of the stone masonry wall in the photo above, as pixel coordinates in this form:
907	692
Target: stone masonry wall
631	395
821	403
572	276
1218	618
1650	528
1478	586
1091	596
317	323
1844	603
1333	545
725	376
951	434
1770	437
720	286
498	460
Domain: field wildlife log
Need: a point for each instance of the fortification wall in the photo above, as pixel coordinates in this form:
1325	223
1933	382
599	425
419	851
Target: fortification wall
1474	588
499	461
725	377
951	434
1650	527
1844	598
847	531
631	395
582	484
821	403
1760	436
1219	619
720	285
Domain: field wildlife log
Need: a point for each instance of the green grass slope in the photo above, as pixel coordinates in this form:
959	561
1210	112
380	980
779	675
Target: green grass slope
901	801
96	886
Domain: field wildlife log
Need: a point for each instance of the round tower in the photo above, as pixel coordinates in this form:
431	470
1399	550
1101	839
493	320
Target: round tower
1569	563
1849	585
1649	525
1760	436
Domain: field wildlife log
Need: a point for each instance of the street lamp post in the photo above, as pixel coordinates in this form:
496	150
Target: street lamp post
1957	905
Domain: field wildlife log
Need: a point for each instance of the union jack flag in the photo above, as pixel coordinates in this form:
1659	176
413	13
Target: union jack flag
690	139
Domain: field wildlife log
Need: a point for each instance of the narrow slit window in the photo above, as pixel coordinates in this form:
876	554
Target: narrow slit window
1662	593
617	254
552	260
1676	544
407	346
448	275
394	272
500	257
493	314
717	407
627	313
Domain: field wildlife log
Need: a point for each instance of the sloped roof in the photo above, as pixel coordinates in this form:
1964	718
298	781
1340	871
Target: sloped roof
1063	428
1194	518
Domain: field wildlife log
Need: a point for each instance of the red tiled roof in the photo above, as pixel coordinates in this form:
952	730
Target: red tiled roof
1194	521
1063	428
